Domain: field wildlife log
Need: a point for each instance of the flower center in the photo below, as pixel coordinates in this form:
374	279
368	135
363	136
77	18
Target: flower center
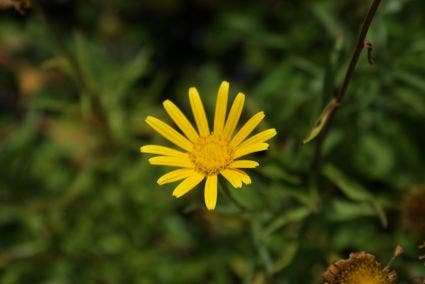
211	154
364	273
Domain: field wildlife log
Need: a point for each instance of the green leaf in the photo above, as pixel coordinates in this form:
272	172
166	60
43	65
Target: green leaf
276	172
291	216
82	55
354	190
380	212
289	251
119	79
411	79
350	188
343	210
327	18
321	121
59	62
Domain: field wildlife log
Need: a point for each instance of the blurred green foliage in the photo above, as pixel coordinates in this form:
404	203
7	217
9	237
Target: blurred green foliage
79	204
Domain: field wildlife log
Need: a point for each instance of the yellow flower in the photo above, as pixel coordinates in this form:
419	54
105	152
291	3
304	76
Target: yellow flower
206	154
359	268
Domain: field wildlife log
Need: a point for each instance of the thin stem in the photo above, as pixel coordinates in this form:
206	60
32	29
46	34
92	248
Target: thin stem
348	75
227	192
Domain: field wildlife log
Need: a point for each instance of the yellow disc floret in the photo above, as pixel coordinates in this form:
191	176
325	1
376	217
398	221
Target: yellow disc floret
359	268
211	154
365	273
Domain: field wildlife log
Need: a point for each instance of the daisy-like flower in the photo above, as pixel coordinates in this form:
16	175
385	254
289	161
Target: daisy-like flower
206	154
359	268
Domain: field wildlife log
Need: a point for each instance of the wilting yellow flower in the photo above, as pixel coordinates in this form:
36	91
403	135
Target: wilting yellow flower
359	268
207	154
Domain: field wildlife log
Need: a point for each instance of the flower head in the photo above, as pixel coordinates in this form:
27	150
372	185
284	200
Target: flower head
206	154
359	268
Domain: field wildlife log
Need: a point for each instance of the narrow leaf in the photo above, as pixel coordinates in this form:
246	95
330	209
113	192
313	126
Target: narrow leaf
381	213
321	121
349	187
292	216
288	254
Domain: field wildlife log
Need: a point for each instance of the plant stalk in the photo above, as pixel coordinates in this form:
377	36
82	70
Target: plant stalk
344	86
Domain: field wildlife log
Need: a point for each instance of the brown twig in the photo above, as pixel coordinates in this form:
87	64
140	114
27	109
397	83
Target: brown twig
348	75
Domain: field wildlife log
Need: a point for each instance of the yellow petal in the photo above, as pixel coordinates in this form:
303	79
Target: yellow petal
175	175
234	115
261	137
171	161
169	133
233	178
221	107
247	128
161	150
250	148
210	192
244	164
198	112
243	176
188	184
180	120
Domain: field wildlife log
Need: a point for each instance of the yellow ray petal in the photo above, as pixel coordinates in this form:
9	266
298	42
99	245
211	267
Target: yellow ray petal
234	115
171	161
188	184
161	150
210	192
261	137
244	164
180	120
247	128
243	176
250	148
233	178
169	133
175	175
221	107
198	112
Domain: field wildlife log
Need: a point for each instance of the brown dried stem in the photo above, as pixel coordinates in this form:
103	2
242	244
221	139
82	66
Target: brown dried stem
348	75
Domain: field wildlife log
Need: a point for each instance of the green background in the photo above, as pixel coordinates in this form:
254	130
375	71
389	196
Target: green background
80	204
